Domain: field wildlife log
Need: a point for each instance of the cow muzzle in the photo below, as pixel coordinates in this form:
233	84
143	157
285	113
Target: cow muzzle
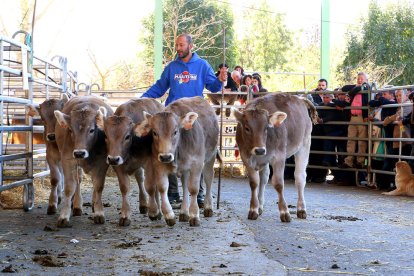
114	160
51	137
80	154
165	157
259	151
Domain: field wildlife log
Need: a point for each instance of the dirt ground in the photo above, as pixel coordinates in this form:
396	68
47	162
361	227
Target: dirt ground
349	230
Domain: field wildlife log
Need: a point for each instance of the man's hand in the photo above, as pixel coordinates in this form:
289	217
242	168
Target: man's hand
223	74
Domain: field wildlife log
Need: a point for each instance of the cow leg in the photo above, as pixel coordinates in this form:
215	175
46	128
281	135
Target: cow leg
69	174
123	182
161	178
77	198
60	186
264	178
143	196
185	204
55	180
98	178
208	174
278	183
254	201
301	161
193	187
154	199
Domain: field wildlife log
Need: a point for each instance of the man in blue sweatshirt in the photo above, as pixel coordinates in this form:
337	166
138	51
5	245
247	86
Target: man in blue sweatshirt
186	76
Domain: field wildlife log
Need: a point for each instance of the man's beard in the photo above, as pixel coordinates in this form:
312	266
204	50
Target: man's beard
184	53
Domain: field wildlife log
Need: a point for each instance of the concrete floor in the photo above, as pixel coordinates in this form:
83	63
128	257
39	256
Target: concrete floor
349	230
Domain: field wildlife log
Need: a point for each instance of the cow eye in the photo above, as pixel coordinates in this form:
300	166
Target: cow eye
175	132
247	129
127	137
92	130
154	134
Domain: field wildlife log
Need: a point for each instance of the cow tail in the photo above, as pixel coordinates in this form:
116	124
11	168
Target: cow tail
219	158
313	113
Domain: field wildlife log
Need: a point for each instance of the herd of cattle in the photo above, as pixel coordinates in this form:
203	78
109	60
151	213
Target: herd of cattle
150	141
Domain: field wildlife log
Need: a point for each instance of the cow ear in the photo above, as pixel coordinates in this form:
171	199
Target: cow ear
32	110
277	118
62	119
103	111
143	128
100	119
188	120
237	114
64	98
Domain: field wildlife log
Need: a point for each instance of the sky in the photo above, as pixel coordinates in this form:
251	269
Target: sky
110	28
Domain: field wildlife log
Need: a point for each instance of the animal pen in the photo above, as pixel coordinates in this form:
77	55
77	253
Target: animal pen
25	78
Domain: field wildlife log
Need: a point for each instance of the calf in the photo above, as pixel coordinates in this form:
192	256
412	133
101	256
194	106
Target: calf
81	144
185	139
46	112
127	153
271	129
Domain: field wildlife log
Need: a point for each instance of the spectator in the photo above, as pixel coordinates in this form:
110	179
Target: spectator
236	76
258	81
359	117
384	181
408	121
186	76
314	174
329	115
230	84
240	69
322	86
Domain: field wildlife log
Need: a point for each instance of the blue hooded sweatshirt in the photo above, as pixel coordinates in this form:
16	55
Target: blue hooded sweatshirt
185	79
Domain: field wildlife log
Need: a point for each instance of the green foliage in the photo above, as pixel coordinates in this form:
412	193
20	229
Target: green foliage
267	42
382	45
204	20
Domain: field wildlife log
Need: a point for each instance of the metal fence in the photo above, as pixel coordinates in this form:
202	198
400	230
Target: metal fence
25	78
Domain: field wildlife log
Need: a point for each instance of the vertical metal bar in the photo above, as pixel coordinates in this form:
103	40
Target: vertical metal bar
1	107
325	40
221	120
158	30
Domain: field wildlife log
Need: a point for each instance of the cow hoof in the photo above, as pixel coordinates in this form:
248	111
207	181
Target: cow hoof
208	213
77	212
156	217
63	223
99	219
285	217
194	222
183	217
143	209
124	222
301	214
170	222
51	210
253	215
260	211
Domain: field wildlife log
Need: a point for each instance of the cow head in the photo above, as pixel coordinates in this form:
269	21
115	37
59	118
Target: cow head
46	112
165	127
84	126
253	127
119	133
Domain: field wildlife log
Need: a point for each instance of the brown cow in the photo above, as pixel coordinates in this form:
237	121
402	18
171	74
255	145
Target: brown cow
271	129
20	137
127	153
82	144
46	112
185	140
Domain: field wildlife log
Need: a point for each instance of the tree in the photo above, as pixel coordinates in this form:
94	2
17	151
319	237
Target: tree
382	45
267	42
204	20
